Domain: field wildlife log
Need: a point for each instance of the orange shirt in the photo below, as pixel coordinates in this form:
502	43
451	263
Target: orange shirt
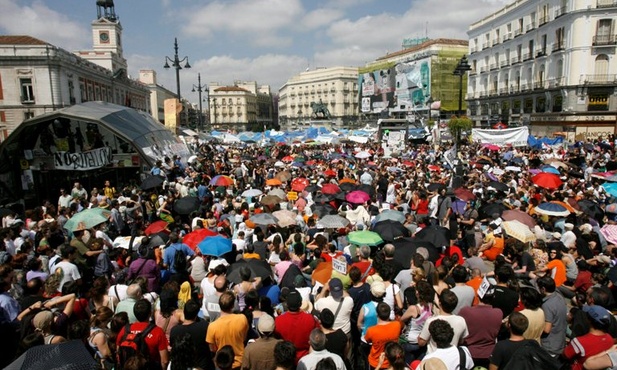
378	335
558	271
475	284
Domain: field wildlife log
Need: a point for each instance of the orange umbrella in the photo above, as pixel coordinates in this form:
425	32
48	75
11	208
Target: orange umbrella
323	272
274	182
347	179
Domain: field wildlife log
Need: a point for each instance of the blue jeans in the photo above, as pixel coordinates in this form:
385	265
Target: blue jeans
413	352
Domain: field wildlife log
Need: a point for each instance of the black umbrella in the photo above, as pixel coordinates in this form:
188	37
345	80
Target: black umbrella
259	268
405	248
186	205
435	234
591	208
488	210
517	160
5	212
151	182
322	198
435	186
577	174
611	166
323	209
311	188
347	186
484	161
339	196
499	186
368	189
390	230
71	355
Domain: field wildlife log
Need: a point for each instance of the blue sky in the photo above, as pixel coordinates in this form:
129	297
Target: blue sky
263	40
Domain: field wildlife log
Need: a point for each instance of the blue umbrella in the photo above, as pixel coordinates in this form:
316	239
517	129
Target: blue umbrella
552	209
550	169
215	246
298	164
611	188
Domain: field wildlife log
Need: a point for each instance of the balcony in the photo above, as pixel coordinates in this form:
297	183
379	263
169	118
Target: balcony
606	3
503	91
471	95
495	41
503	63
492	92
506	37
516	110
538	85
526	87
494	66
527	56
483	69
541	53
530	26
556	82
561	11
599	79
543	20
604	40
482	94
472	49
559	46
515	60
518	32
486	45
313	92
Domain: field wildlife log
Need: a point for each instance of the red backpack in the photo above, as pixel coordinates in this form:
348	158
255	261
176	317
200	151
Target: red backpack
133	345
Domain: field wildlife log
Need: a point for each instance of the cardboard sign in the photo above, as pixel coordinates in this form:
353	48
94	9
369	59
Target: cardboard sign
339	266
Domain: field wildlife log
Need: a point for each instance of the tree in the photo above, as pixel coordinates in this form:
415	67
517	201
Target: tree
458	125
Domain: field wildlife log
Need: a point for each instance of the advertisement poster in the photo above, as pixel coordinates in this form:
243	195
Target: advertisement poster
413	82
377	87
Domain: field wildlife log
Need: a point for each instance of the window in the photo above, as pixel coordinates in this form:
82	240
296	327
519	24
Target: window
28	115
27	91
71	92
601	65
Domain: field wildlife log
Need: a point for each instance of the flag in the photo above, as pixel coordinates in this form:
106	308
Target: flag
450	155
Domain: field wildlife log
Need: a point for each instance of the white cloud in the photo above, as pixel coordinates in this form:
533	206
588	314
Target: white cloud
41	22
257	22
320	18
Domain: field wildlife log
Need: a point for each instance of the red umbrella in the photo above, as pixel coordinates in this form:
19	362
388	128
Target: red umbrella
222	180
310	163
288	159
357	197
547	180
408	164
299	183
330	189
434	168
464	194
330	173
156	227
492	147
195	237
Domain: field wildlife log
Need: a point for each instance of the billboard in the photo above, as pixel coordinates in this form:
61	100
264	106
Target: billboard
377	87
413	83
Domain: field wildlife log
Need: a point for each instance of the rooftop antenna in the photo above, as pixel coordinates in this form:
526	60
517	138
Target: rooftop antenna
426	30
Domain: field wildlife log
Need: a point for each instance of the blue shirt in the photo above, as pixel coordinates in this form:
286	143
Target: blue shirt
9	308
170	254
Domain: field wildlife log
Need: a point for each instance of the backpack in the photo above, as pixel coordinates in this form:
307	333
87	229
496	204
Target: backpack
530	357
133	344
180	261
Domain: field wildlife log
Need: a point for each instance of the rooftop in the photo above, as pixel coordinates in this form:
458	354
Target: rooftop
230	88
424	45
20	40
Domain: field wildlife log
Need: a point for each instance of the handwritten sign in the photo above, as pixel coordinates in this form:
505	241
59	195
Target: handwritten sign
83	161
339	266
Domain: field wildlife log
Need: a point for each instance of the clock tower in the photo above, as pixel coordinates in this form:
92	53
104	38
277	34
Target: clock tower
107	38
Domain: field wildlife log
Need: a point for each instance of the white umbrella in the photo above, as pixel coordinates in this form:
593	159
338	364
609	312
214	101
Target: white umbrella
124	241
285	218
519	231
279	164
363	154
251	193
513	168
278	193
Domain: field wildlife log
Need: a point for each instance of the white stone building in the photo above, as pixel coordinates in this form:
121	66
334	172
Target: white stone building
158	94
336	87
37	77
241	106
549	64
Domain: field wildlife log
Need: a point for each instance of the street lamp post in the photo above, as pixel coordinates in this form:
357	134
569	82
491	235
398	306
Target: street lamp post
175	63
200	88
461	68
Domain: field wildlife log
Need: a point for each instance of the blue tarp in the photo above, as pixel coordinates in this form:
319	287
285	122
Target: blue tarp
536	143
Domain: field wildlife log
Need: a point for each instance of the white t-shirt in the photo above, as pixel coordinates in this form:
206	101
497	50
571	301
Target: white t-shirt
457	323
118	291
451	358
342	320
391	291
69	273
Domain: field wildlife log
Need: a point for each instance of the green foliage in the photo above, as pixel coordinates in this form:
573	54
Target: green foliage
430	123
458	125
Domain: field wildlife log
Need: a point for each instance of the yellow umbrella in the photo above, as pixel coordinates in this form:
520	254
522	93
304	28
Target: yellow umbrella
519	231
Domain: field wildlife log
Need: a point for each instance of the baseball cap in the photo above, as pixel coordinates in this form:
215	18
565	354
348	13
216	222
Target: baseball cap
294	300
598	314
265	324
336	288
378	289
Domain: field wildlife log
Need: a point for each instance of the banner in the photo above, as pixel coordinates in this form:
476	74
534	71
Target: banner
83	161
511	136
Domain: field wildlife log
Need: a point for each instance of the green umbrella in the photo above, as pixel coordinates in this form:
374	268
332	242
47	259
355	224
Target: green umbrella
364	237
87	219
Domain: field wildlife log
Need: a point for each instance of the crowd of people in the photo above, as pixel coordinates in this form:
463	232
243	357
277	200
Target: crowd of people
452	282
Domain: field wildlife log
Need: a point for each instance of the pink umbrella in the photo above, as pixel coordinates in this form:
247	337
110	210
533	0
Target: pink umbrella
357	197
610	233
492	147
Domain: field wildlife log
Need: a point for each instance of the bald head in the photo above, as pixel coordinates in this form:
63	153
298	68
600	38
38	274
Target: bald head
388	250
220	283
134	291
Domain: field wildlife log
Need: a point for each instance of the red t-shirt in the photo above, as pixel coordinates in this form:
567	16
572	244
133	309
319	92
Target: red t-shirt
296	328
585	346
363	265
155	340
